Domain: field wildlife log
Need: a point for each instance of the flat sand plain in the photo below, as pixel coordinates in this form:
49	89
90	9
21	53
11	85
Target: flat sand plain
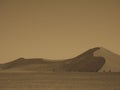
59	81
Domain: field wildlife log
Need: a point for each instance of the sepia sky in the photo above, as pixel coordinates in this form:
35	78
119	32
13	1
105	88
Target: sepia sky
57	29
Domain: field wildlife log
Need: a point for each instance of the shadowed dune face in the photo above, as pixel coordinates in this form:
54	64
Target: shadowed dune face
112	60
85	62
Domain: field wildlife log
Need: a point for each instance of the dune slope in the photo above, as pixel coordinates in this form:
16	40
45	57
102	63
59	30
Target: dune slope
85	62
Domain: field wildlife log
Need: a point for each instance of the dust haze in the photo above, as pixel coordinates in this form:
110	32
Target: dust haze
57	29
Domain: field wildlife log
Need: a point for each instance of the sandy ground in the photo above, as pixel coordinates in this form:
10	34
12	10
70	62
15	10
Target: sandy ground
59	81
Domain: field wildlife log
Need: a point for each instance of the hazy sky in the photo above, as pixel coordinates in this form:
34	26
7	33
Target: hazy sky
57	29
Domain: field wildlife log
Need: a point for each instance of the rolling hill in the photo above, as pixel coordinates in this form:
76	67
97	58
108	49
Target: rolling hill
112	60
93	60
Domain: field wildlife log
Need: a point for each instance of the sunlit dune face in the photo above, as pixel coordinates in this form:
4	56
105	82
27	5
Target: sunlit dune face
57	29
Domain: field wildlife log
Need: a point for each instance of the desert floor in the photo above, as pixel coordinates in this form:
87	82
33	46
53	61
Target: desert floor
59	81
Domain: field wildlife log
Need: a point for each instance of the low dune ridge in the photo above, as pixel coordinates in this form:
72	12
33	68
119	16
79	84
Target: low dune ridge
97	59
112	60
85	62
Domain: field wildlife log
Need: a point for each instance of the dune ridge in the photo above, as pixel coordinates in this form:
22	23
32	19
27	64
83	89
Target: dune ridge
112	60
97	59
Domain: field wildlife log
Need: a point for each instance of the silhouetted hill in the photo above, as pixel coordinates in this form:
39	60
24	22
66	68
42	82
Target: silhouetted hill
112	60
85	62
93	60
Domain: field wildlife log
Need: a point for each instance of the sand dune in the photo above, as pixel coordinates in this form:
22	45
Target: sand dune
93	60
112	60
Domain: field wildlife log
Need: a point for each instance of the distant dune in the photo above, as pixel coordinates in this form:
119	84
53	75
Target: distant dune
94	60
112	60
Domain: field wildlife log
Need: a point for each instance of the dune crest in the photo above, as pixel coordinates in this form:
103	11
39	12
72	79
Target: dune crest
93	60
112	60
